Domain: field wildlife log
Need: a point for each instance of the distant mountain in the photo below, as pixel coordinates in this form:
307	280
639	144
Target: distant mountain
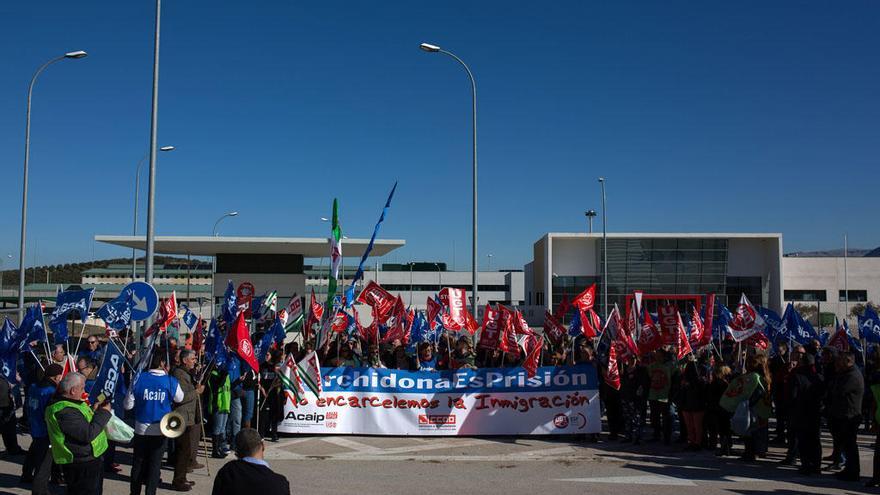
832	253
874	253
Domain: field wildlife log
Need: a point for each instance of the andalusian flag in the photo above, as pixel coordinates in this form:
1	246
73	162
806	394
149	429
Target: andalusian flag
310	372
335	254
271	301
290	381
292	316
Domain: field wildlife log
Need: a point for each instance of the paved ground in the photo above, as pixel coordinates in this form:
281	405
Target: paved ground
386	465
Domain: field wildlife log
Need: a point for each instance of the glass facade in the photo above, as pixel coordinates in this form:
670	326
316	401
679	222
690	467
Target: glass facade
664	266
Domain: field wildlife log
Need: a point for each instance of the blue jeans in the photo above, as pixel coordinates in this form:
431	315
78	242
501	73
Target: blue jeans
219	420
247	406
234	418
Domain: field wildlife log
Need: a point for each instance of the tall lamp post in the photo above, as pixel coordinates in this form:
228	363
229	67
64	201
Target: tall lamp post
436	49
590	214
604	250
137	189
214	233
24	187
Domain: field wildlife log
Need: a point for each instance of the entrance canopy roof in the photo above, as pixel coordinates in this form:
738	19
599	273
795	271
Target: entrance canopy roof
308	247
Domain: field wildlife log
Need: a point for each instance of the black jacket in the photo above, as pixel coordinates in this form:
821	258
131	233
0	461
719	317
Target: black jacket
847	392
79	433
237	477
805	393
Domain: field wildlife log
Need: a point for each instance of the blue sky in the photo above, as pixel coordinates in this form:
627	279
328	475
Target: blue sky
704	116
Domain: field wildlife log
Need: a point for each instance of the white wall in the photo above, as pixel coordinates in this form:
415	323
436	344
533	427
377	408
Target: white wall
801	273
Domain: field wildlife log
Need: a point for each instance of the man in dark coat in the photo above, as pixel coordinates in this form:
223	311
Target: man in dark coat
846	412
805	392
249	473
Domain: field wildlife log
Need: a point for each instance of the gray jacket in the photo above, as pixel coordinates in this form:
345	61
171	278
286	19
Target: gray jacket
189	404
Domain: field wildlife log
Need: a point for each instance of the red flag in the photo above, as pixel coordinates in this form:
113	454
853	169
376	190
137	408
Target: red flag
839	340
533	355
470	324
591	324
650	339
710	317
586	299
434	309
396	322
697	329
520	325
564	306
612	374
239	340
340	322
198	338
167	311
366	334
490	334
377	297
454	300
553	330
627	345
507	341
758	340
316	312
684	347
668	315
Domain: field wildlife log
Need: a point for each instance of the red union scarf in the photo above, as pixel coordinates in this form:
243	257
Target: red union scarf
490	333
533	355
553	330
238	339
586	299
380	299
612	374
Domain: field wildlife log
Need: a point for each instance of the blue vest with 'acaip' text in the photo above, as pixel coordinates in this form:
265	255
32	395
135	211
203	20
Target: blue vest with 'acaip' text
153	396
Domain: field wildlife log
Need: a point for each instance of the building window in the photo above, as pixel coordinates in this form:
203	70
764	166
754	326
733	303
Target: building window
806	295
854	296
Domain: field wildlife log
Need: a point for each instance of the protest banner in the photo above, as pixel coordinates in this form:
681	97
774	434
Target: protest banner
492	401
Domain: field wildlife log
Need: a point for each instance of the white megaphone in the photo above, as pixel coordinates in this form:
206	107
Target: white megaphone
172	425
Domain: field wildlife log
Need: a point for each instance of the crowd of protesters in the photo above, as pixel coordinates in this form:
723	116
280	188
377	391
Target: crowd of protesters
659	398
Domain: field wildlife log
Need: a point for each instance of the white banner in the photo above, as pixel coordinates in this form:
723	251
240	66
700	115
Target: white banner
494	401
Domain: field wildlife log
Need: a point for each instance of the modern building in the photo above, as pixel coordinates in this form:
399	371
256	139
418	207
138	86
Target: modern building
832	286
663	265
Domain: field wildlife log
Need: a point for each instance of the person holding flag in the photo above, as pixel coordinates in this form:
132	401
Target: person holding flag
38	462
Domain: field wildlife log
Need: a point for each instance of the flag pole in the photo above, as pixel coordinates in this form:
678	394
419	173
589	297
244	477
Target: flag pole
82	330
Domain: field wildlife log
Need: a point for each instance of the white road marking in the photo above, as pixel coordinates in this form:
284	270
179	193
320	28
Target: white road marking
531	455
358	447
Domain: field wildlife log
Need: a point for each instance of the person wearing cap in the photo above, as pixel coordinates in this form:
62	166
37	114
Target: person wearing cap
76	436
38	462
250	473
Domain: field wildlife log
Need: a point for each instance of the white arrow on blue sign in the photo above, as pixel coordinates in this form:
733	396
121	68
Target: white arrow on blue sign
145	300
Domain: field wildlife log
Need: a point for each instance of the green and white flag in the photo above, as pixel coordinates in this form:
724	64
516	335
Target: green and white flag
335	254
292	316
271	301
310	373
290	380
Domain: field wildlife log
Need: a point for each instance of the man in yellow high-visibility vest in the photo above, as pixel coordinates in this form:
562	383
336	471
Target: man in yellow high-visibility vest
76	435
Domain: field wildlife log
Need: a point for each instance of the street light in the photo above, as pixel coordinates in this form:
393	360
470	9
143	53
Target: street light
214	261
24	188
137	189
436	49
154	131
590	214
604	249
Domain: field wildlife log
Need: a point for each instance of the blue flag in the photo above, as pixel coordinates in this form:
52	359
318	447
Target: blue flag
116	313
215	348
774	323
719	326
230	308
869	325
32	326
274	335
109	375
8	337
65	302
853	342
8	362
257	307
189	318
574	328
796	328
349	292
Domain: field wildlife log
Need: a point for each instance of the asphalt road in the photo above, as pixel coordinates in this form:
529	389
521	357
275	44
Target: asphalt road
503	465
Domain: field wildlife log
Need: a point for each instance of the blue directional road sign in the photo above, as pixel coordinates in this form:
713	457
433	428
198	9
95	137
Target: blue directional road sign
145	300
